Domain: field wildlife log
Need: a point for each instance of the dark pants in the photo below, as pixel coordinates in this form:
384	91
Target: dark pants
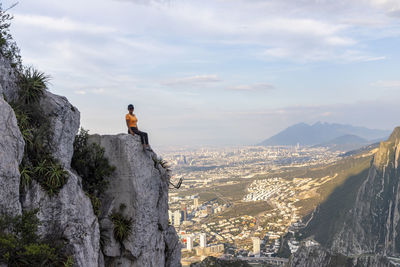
143	135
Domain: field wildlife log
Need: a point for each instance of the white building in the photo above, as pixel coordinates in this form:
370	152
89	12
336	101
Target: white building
196	203
203	240
256	246
189	242
170	216
177	218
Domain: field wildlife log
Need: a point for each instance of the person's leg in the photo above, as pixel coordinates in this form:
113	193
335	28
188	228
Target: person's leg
146	138
136	131
143	136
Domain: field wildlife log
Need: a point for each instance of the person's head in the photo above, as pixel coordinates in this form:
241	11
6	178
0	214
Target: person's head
130	108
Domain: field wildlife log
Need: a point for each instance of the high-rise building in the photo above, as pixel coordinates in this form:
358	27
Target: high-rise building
196	203
189	242
203	240
256	246
177	218
184	211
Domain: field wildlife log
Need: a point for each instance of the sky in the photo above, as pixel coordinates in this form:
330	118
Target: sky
217	72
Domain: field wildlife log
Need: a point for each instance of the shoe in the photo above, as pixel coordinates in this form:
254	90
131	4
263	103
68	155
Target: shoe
149	149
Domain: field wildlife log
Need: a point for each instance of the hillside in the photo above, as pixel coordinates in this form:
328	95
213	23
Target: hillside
346	142
319	133
361	218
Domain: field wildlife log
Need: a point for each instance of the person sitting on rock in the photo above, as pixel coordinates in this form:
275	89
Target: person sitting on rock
131	122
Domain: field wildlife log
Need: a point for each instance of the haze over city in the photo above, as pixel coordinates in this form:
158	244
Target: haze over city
217	72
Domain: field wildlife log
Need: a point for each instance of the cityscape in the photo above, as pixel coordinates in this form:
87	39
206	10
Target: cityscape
260	205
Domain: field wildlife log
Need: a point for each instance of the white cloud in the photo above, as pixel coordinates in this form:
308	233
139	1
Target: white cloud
60	24
192	80
252	87
390	84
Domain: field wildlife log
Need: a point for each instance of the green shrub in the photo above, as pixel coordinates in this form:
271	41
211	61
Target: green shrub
37	163
8	47
122	224
32	84
90	163
21	246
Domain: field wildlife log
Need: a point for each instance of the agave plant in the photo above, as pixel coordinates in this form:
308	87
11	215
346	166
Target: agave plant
55	178
122	226
26	175
32	85
41	168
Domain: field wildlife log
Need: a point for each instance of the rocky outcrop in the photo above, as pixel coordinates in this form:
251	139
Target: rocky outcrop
64	121
318	256
11	153
140	184
372	226
69	214
8	86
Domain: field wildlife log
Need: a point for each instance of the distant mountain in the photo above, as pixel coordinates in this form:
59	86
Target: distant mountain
320	133
346	143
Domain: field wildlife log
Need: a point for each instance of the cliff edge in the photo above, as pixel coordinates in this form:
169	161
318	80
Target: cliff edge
139	184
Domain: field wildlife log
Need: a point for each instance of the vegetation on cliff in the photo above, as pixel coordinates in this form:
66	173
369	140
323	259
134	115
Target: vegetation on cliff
89	162
8	47
38	163
21	246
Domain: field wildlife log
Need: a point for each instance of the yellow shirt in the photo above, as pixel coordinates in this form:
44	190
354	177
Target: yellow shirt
132	120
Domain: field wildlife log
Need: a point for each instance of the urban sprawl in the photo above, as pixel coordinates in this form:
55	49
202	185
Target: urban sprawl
209	225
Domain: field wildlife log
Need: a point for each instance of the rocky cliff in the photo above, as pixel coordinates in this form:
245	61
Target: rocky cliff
371	227
139	184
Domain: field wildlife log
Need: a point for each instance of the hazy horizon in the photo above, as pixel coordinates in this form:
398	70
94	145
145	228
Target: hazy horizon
217	72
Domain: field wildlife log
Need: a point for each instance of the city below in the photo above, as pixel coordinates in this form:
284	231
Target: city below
239	202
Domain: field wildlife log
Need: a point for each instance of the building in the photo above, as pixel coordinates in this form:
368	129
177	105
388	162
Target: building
209	210
203	240
170	216
196	203
189	242
177	218
256	246
184	211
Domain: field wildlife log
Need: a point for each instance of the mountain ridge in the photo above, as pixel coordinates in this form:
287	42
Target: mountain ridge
319	133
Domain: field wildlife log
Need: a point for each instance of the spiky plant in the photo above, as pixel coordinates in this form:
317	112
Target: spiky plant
26	175
122	226
55	178
32	84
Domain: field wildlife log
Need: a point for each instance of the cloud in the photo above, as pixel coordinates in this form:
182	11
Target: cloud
60	24
192	80
252	87
390	84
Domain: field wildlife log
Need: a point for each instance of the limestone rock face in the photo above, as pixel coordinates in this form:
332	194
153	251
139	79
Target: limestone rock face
64	125
69	216
316	256
11	153
140	184
373	226
7	80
